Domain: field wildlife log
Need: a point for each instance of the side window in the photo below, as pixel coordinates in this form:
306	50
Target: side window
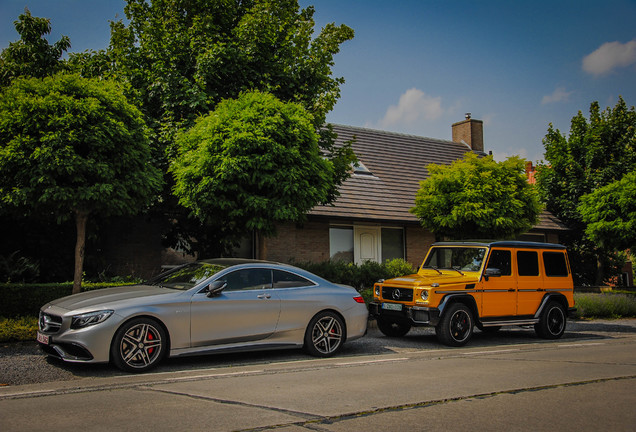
528	263
555	265
248	279
502	260
283	279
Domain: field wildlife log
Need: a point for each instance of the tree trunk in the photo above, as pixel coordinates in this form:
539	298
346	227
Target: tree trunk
599	271
81	217
262	246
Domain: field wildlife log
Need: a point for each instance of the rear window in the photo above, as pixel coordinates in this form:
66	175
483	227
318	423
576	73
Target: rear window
528	263
555	265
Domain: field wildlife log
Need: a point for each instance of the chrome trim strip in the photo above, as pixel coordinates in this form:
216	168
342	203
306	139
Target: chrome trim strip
456	291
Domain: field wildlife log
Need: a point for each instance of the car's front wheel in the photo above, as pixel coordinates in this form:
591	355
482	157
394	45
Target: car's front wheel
139	345
325	334
456	326
393	328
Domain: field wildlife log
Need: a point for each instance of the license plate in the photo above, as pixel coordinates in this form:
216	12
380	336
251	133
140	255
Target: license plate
392	306
42	338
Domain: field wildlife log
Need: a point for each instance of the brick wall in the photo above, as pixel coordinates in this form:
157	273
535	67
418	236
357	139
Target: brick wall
418	240
309	242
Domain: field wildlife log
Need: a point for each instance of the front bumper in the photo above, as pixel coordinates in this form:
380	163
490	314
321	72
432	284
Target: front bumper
414	315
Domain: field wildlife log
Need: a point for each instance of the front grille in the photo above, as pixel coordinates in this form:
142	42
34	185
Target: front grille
397	294
49	323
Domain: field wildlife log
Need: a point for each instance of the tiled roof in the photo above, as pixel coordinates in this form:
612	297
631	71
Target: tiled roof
397	163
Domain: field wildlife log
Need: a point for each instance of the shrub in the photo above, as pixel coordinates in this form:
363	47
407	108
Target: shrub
606	305
26	299
18	329
17	268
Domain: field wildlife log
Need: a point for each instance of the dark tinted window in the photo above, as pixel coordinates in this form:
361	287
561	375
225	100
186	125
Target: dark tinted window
283	279
554	263
528	263
248	279
502	260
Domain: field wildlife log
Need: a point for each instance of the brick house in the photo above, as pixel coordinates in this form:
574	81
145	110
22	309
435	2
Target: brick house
371	219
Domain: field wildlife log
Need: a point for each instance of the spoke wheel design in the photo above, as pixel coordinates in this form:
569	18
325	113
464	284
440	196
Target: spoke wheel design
551	325
456	326
325	335
139	345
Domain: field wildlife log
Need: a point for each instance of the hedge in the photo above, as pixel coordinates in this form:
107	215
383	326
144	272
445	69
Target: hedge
18	300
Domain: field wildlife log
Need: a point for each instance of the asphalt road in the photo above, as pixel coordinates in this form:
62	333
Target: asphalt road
507	381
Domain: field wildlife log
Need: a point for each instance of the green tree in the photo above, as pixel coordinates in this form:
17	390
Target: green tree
477	198
72	147
252	163
32	56
596	153
181	58
610	214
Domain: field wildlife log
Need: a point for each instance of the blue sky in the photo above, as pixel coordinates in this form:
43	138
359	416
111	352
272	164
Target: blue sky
416	67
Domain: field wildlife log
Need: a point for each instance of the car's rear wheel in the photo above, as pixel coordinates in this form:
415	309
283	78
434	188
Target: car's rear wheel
551	325
325	334
139	345
392	328
456	326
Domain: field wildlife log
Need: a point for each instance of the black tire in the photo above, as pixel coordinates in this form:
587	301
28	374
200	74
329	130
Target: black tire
392	328
325	335
139	345
456	326
552	322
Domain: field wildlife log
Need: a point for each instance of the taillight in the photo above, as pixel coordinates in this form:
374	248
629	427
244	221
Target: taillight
358	299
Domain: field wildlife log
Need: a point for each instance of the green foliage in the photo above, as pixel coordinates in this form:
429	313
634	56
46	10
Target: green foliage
596	153
18	268
252	163
606	305
477	198
26	299
71	144
361	277
32	56
610	214
182	58
18	329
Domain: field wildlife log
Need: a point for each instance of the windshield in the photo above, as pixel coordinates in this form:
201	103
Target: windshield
186	277
455	258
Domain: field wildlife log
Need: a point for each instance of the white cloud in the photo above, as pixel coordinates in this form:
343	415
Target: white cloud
609	56
413	107
558	95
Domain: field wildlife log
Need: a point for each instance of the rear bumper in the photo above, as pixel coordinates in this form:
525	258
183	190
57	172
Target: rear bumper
414	315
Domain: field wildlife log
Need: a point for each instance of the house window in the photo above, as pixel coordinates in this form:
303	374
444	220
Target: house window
392	243
341	244
365	243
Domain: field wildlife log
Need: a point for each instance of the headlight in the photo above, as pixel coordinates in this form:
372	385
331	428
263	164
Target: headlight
377	290
89	319
424	295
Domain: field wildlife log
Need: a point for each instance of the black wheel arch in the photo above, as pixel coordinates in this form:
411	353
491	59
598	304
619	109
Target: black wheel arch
467	300
557	297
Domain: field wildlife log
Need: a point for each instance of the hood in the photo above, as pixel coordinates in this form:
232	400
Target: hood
426	278
108	298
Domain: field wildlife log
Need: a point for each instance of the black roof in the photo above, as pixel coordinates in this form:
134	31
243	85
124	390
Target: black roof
503	243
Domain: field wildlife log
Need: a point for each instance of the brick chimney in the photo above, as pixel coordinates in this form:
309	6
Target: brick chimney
471	132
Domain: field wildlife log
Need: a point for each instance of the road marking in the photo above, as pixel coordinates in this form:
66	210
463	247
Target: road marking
371	361
580	345
492	352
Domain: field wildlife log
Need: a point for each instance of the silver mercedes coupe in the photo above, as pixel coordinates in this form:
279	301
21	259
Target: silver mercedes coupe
220	305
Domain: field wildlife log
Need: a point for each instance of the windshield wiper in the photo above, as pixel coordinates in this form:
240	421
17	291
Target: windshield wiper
458	270
434	268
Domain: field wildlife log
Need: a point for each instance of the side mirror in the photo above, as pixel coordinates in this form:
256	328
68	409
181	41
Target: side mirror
492	272
215	288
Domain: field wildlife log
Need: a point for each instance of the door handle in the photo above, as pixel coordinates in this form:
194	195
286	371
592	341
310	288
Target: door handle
264	296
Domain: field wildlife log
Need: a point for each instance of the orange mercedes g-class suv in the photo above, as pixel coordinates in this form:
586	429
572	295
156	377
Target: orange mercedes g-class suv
488	285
